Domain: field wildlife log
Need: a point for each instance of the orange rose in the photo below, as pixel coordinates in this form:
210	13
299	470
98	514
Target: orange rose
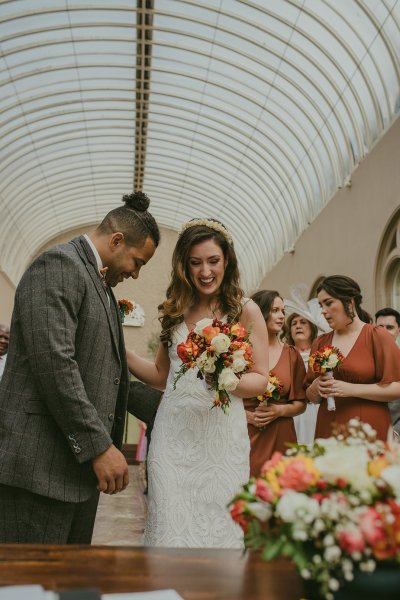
237	511
210	332
187	351
238	330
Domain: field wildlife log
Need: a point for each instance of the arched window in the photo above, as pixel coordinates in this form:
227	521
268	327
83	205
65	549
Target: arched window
387	279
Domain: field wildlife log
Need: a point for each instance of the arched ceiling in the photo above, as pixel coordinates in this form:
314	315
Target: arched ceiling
252	112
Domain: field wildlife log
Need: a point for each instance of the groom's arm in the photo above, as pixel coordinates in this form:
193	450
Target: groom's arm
48	300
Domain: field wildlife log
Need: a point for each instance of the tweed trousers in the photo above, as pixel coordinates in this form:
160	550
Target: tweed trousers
27	518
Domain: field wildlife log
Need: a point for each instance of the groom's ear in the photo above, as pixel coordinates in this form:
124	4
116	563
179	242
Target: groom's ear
116	240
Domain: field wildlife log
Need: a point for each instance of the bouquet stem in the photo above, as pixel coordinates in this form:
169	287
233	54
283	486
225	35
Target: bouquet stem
330	399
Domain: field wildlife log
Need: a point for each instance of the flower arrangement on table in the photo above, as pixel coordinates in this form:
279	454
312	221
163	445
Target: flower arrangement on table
222	350
125	308
334	508
324	361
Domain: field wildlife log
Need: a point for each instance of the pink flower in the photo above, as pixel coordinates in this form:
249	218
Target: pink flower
371	525
264	491
351	540
272	462
298	474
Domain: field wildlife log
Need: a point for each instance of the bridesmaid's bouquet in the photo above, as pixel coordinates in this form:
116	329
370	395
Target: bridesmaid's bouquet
324	361
274	389
222	350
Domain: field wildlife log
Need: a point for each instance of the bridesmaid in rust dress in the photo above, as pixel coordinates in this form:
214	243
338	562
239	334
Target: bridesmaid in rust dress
271	427
369	376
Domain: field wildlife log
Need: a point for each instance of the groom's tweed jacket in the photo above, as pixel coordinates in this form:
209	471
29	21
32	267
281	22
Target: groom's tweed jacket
64	391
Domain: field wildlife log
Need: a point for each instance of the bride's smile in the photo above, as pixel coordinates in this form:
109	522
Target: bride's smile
207	267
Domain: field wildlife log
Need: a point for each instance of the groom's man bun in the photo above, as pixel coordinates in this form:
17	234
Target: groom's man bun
133	220
137	201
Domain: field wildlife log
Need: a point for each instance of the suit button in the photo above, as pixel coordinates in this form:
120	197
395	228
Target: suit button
110	417
116	381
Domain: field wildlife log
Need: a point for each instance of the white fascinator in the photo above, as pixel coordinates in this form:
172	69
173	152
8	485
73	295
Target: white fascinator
309	309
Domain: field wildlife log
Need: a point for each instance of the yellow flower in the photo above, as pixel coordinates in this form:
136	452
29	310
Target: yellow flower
376	466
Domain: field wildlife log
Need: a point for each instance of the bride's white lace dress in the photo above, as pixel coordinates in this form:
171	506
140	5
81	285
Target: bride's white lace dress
198	459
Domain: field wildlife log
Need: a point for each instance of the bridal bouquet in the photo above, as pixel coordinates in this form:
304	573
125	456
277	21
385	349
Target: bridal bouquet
324	361
334	508
274	389
222	350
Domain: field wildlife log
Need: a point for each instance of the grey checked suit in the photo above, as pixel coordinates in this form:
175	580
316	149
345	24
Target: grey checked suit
64	392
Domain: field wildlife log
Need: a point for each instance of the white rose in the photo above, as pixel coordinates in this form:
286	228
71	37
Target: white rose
391	475
221	343
227	380
294	505
239	363
331	362
261	510
201	324
345	462
206	362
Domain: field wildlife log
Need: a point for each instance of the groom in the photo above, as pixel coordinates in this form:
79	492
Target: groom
64	392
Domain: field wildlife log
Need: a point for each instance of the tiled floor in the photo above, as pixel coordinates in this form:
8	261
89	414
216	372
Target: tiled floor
121	518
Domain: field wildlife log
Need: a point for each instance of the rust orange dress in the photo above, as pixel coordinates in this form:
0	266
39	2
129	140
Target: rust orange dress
374	358
264	442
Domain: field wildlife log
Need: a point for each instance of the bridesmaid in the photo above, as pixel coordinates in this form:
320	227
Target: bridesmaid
271	427
301	333
369	376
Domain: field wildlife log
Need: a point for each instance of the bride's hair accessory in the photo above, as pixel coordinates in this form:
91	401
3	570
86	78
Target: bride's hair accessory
216	225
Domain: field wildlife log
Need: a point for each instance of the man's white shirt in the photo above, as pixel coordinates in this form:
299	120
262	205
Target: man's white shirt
2	364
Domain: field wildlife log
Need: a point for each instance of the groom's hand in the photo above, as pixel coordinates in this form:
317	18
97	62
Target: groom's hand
111	470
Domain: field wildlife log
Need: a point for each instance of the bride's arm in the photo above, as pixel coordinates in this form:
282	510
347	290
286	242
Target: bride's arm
153	373
255	381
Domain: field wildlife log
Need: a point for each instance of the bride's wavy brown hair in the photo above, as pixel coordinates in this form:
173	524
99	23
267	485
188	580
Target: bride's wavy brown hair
181	292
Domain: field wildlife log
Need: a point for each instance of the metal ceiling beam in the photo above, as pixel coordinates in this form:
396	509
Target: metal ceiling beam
144	33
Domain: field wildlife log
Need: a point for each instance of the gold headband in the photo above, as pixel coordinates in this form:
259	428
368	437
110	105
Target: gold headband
207	223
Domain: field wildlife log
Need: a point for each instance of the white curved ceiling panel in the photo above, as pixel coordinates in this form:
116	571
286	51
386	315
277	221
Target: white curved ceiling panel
252	112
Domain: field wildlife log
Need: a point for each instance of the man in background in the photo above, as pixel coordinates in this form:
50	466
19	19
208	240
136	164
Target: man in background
389	318
4	340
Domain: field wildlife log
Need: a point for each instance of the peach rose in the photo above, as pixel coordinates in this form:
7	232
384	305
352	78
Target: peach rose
238	330
210	332
298	474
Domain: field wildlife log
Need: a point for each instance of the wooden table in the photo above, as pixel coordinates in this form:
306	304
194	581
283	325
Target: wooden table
194	574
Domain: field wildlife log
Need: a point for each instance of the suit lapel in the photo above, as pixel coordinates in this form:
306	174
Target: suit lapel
90	263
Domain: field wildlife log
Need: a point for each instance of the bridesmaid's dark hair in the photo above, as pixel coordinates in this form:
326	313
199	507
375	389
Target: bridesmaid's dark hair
345	289
265	299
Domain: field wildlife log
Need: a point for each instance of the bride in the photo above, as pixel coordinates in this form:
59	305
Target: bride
198	457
